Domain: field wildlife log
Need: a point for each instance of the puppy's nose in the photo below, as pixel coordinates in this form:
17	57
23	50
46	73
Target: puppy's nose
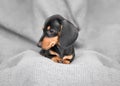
39	44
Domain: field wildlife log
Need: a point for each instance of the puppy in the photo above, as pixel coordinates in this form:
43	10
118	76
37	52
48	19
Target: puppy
57	40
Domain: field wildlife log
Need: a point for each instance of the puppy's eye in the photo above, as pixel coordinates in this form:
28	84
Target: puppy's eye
52	31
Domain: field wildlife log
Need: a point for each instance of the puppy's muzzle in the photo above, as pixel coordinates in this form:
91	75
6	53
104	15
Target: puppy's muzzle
48	42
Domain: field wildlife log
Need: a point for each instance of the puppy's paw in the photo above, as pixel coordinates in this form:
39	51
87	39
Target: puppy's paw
65	61
57	59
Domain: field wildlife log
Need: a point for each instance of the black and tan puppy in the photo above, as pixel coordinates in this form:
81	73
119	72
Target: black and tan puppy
57	40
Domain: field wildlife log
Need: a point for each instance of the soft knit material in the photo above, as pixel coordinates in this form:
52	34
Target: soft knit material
97	61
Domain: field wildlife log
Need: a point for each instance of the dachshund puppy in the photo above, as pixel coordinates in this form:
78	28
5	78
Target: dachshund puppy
57	40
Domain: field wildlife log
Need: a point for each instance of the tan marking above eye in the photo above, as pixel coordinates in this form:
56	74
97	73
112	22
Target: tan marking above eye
61	27
48	28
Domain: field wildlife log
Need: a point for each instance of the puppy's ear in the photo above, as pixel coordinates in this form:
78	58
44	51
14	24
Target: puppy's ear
68	35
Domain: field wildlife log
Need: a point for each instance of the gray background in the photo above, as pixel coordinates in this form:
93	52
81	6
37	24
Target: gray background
97	55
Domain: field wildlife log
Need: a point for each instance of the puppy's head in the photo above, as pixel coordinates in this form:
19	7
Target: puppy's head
58	31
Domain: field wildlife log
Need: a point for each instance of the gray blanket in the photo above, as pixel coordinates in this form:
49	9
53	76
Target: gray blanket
97	61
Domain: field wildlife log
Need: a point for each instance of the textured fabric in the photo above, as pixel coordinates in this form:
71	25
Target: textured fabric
30	69
97	61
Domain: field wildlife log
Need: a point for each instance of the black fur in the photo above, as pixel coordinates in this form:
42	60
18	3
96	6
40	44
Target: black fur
68	35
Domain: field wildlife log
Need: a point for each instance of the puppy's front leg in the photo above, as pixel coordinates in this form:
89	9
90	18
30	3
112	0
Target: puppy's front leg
55	57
